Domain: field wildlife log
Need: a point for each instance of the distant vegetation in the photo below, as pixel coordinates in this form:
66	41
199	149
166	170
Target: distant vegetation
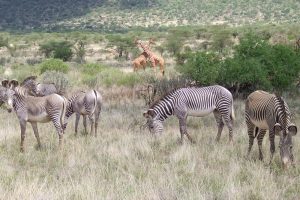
113	15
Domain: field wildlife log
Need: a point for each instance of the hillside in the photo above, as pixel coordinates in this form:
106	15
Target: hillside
112	15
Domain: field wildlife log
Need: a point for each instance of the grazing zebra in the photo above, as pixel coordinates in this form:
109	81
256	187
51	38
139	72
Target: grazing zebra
86	104
265	111
192	101
36	109
39	89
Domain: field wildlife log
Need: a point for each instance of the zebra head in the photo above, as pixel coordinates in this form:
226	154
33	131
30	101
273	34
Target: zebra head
7	93
154	124
286	143
6	97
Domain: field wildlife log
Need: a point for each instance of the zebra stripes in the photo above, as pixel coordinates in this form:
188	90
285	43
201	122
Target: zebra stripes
36	109
86	104
265	111
192	101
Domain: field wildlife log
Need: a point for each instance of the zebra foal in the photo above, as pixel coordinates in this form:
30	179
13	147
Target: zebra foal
35	109
265	111
192	101
85	104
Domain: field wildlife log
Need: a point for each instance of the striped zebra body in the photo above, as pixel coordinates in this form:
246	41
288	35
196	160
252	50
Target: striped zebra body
265	111
37	109
39	89
85	104
193	102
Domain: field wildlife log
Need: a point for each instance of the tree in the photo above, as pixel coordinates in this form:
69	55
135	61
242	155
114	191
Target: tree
57	49
123	44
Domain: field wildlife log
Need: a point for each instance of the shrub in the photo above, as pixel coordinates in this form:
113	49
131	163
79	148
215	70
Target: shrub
57	49
59	79
95	75
202	67
255	64
54	65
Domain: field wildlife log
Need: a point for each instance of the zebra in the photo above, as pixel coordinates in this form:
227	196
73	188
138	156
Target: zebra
192	101
36	109
87	104
265	111
39	89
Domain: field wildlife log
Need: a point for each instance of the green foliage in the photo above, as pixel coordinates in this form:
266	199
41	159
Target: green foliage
123	43
221	40
57	49
255	64
127	4
54	65
202	67
59	79
80	51
3	42
98	75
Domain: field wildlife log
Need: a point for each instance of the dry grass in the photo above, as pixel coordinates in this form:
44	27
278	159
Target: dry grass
124	162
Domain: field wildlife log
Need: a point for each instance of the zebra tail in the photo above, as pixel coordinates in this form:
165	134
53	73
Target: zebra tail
232	113
63	112
95	101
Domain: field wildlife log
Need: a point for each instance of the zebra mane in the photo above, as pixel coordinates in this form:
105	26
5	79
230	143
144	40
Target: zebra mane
21	91
28	79
163	97
284	114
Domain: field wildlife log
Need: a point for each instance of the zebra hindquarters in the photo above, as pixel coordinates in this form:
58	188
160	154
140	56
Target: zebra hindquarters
225	108
56	109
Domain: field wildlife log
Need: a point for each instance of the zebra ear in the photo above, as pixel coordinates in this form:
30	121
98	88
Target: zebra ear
148	114
292	129
14	83
277	129
5	83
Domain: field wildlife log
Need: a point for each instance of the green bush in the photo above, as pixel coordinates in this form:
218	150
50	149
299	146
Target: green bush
54	65
98	75
202	67
57	49
255	64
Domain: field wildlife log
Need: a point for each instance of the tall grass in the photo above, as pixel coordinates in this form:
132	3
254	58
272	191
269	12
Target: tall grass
124	162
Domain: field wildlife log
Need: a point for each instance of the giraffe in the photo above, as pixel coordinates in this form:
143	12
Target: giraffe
153	58
140	62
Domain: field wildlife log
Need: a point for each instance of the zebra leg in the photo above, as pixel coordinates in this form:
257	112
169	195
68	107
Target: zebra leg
272	143
36	133
97	115
260	138
183	130
84	123
228	121
23	130
250	127
76	123
92	121
220	124
59	128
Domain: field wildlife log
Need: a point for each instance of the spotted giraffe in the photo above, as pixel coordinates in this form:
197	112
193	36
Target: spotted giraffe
153	58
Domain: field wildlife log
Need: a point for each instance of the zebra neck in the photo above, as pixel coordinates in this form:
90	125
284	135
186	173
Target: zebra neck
164	108
18	102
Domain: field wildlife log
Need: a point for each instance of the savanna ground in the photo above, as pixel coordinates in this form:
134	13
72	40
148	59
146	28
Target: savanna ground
126	162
